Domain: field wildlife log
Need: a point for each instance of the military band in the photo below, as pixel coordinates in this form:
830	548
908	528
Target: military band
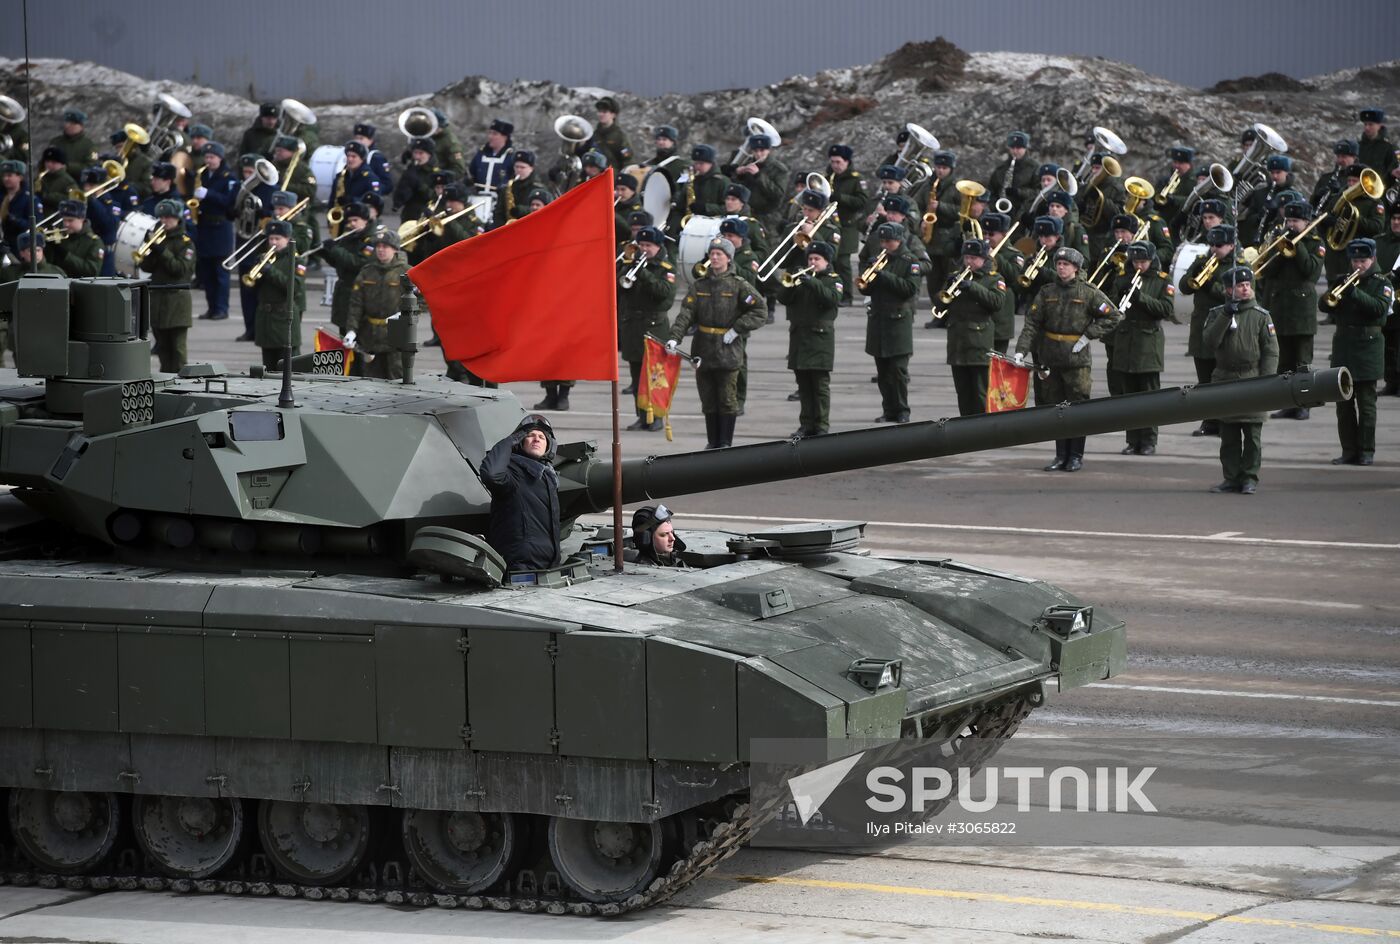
1084	254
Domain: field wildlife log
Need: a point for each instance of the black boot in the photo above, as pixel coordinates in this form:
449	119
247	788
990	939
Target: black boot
711	430
551	397
1061	456
727	422
640	422
1075	462
561	397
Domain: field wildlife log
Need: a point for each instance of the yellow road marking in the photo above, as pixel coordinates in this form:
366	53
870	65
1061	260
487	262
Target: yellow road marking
1066	903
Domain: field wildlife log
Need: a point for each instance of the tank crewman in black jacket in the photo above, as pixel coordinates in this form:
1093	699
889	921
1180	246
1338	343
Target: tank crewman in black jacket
519	474
655	536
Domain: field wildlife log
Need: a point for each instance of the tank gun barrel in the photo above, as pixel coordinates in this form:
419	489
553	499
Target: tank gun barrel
686	473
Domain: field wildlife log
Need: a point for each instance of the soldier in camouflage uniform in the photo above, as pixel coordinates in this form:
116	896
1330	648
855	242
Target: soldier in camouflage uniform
1359	346
80	253
348	256
1137	346
1062	319
812	301
281	298
171	262
1387	254
971	318
608	136
643	308
18	269
1206	295
848	190
745	265
374	299
1241	339
723	307
79	151
1288	289
889	327
1010	264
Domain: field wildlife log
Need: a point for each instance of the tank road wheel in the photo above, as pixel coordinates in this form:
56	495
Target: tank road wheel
188	837
62	831
313	843
462	852
605	861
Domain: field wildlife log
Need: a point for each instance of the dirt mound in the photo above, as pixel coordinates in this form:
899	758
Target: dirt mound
937	64
1268	82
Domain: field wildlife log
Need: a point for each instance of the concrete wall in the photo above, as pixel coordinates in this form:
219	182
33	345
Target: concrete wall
353	50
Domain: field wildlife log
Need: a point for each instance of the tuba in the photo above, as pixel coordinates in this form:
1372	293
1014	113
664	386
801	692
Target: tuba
418	122
11	113
247	205
1346	218
910	157
1249	172
574	132
1100	139
743	156
167	110
292	117
1222	182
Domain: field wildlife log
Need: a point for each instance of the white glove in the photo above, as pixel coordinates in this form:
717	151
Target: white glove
201	192
730	336
1020	359
671	347
1081	344
349	340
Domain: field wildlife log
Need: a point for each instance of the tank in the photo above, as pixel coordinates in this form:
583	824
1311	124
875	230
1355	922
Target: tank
251	639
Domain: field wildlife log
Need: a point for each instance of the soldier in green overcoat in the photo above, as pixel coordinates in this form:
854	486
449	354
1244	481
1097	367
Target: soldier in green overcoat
80	253
348	255
171	262
1137	346
281	297
1370	223
258	137
766	177
889	326
1288	289
643	307
971	318
1241	338
1359	346
1387	253
79	151
55	183
848	190
374	299
608	135
724	308
1062	319
1207	291
1010	263
703	192
812	300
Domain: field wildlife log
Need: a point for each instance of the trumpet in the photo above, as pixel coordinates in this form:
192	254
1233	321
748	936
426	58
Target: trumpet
789	279
154	239
874	269
1334	297
1027	276
56	234
1168	189
1346	217
1203	277
954	289
629	278
335	219
136	136
1285	245
259	267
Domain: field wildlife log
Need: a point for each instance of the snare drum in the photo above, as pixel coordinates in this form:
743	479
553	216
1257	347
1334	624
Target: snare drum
326	162
696	236
134	229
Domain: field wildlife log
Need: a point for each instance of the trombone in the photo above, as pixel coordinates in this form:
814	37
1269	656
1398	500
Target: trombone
116	173
256	272
414	230
254	243
874	269
797	237
954	289
154	239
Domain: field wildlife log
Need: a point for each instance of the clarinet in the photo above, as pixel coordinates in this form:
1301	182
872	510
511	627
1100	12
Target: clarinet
1010	175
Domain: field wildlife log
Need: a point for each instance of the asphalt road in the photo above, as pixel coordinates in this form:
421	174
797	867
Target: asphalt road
1268	615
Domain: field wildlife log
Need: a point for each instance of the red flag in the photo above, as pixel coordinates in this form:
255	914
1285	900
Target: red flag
661	371
1008	384
533	300
325	341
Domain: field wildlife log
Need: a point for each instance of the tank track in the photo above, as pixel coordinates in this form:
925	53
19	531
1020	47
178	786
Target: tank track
384	882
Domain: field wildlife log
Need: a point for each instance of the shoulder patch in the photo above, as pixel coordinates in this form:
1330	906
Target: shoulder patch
1105	308
1270	324
1001	285
189	253
914	268
670	276
749	299
1171	289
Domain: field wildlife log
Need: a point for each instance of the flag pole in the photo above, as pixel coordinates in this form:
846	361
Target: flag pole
617	482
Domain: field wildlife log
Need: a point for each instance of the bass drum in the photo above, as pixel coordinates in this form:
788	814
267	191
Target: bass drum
326	161
1186	254
695	240
134	229
656	197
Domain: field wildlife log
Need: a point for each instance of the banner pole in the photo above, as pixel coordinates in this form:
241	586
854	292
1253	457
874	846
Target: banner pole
617	482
